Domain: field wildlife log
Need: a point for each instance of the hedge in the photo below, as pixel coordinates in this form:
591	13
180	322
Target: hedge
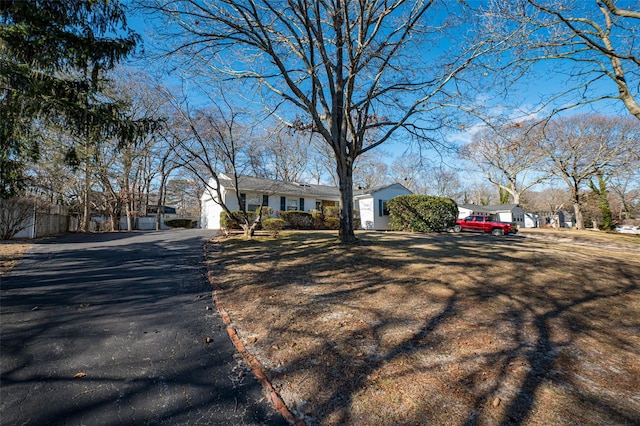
422	213
273	225
181	223
298	219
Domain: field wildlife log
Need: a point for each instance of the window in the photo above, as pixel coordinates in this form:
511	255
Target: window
253	202
292	204
383	210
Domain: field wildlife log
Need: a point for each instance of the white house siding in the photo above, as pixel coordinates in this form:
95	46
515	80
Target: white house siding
293	193
464	212
530	220
367	211
369	204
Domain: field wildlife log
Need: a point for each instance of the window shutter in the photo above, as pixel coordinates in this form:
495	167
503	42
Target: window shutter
283	204
380	208
301	204
265	200
243	202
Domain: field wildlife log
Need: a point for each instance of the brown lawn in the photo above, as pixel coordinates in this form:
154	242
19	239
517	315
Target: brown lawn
442	329
10	254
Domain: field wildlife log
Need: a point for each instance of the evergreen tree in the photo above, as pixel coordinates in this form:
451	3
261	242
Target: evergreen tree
52	58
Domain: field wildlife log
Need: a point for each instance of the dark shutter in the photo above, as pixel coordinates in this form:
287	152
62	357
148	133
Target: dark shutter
301	204
243	202
380	208
265	200
283	204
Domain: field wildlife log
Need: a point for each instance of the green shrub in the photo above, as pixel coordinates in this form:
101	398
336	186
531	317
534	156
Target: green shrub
266	212
273	225
332	222
226	222
298	219
422	213
181	223
331	211
330	218
318	219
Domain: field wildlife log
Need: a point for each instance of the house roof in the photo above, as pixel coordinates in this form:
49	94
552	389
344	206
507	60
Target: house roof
263	185
490	209
370	191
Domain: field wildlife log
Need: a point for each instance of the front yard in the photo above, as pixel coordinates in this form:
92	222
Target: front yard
442	329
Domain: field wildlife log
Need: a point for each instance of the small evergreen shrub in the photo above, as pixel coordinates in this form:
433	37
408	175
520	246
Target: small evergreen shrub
332	223
266	212
298	219
318	219
273	225
331	211
226	222
180	223
422	213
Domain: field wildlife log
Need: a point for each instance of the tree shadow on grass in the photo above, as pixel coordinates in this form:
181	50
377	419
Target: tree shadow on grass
503	337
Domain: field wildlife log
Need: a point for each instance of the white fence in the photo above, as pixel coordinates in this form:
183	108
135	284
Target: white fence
47	221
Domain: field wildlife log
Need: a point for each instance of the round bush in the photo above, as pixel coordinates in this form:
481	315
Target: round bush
298	219
422	213
273	225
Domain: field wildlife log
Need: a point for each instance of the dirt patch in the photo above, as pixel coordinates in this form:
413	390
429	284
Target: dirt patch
10	254
439	329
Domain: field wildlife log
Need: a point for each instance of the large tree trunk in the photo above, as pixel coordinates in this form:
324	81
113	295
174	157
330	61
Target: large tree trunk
577	206
345	176
577	211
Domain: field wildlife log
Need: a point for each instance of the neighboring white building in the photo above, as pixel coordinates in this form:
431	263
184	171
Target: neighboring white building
372	204
512	213
283	196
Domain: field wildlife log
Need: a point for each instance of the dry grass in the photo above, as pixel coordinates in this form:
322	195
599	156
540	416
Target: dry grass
10	254
452	329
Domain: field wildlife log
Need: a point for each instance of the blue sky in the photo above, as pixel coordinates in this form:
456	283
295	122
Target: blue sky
523	102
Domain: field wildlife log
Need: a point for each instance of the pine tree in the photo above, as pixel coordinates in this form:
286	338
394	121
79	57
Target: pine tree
53	55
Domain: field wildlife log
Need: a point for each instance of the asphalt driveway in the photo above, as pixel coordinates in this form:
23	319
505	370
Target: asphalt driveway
114	329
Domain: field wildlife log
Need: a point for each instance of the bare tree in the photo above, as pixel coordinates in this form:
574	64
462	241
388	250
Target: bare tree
508	157
625	186
479	193
14	216
369	171
286	154
581	147
592	44
549	200
125	167
211	142
348	68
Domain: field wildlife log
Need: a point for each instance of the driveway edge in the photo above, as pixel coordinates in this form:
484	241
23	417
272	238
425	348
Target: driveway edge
255	365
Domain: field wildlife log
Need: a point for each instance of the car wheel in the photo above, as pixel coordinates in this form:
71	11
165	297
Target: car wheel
497	232
457	228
